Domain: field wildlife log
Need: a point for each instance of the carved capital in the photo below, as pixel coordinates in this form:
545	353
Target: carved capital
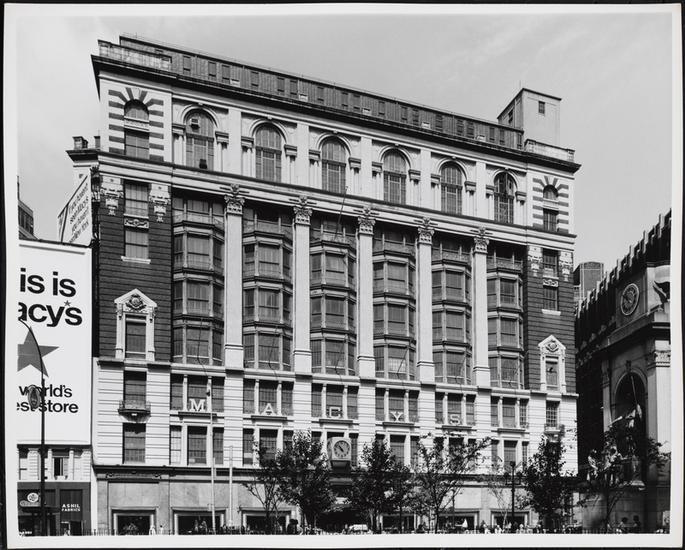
112	190
234	200
566	264
481	241
159	197
303	212
426	231
662	358
366	221
535	257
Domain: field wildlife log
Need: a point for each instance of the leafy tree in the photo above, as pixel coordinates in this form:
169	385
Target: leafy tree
441	473
264	486
372	482
549	488
304	476
625	460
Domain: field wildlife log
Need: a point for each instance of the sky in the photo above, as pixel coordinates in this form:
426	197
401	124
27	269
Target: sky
612	70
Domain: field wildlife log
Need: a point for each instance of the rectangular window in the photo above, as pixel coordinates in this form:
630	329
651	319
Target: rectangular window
549	262
335	268
550	297
380	405
316	400
454	285
508	331
378	353
335	312
334	402
316	355
524	452
510	373
267	443
316	268
218	445
248	447
470	411
197	345
523	414
135	243
269	305
198	252
552	374
211	69
397	277
176	392
397	361
335	357
217	394
541	107
492	332
439	418
492	293
287	399
267	397
454	367
248	346
134	388
174	444
248	304
454	326
507	292
136	199
509	413
197	445
494	413
354	444
352	407
135	338
378	319
509	454
248	396
248	260
198	297
549	219
413	407
396	406
437	285
494	455
269	260
551	415
134	442
397	319
397	447
197	393
137	145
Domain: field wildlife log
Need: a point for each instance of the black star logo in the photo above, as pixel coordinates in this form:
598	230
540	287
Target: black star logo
29	354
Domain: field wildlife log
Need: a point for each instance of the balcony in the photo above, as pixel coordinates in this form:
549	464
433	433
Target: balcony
134	406
199	218
332	237
390	246
446	255
504	263
537	148
134	57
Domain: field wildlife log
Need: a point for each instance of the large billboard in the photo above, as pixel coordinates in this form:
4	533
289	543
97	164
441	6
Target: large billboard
55	303
74	221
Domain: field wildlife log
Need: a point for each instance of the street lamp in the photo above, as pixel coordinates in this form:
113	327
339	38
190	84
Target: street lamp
512	464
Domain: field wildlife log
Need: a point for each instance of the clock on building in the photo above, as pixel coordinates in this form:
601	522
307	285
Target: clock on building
339	449
629	298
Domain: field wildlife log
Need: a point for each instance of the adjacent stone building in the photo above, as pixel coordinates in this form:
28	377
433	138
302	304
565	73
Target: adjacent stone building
623	341
277	253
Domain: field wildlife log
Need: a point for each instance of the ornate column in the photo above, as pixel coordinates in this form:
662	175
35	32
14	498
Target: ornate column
424	301
233	277
481	370
366	361
302	355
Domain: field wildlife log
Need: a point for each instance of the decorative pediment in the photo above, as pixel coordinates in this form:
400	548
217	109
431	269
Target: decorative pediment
135	302
552	346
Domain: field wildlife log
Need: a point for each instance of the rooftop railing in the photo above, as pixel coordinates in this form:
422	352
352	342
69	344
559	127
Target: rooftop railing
545	150
135	57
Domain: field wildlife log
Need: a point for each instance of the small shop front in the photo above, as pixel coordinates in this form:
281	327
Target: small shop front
67	508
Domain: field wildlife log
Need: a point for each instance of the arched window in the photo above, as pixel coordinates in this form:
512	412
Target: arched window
550	193
451	182
136	140
333	166
505	187
268	146
394	178
136	110
199	140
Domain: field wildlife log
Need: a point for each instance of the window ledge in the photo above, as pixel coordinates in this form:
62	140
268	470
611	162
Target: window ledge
390	423
512	429
463	427
274	417
325	420
136	260
552	312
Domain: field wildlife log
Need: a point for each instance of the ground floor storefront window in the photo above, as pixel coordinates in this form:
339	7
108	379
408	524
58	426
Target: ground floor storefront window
457	521
391	524
255	522
502	519
133	522
197	522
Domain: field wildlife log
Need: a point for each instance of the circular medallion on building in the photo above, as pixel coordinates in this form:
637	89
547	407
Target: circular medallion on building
32	497
629	298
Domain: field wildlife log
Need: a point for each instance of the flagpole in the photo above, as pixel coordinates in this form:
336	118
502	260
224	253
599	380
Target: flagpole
43	514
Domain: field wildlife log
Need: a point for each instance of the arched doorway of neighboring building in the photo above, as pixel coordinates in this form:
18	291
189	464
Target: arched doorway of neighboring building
630	419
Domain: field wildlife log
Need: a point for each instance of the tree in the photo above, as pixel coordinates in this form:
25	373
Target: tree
498	482
264	486
372	482
623	462
549	488
441	473
304	476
